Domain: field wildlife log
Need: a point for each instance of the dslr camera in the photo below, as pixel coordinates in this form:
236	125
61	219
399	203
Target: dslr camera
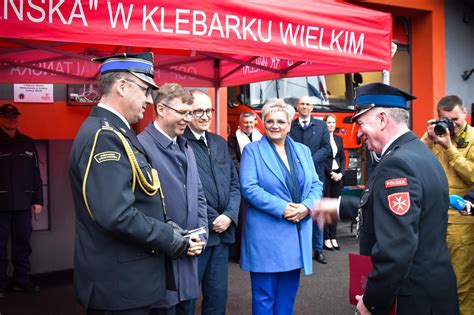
442	124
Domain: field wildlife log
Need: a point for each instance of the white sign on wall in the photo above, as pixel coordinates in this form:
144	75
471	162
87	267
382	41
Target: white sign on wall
33	93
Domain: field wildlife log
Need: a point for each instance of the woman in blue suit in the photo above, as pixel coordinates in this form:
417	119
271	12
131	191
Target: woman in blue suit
279	181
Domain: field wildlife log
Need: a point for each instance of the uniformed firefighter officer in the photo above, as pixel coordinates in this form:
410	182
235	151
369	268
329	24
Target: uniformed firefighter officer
122	241
402	213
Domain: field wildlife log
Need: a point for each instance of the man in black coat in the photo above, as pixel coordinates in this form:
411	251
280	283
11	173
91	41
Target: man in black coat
21	194
402	213
222	189
121	235
314	134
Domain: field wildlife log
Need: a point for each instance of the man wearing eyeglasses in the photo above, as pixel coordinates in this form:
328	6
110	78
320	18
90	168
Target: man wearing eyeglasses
222	190
314	134
122	238
186	205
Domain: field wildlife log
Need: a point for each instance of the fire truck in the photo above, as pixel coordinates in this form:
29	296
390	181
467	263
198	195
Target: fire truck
331	94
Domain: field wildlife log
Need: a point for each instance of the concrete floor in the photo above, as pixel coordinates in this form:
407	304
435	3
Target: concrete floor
325	292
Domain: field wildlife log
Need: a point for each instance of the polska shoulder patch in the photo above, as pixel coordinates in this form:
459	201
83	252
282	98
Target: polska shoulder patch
399	203
396	182
107	156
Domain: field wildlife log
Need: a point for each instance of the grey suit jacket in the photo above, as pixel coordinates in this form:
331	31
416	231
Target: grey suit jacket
184	201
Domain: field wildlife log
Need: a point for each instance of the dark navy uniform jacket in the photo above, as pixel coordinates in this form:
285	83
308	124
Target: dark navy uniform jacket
316	137
120	246
403	228
20	180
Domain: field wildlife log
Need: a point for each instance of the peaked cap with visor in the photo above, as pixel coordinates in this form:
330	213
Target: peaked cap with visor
138	64
379	95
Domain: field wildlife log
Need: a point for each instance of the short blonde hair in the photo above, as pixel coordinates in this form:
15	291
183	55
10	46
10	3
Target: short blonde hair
278	105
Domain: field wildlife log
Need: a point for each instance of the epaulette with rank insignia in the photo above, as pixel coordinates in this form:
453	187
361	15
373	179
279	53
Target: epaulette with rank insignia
106	124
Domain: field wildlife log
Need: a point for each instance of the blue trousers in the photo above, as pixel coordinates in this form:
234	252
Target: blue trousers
18	225
274	293
212	273
317	238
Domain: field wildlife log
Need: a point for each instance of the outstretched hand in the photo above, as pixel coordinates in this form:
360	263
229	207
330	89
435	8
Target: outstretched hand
325	211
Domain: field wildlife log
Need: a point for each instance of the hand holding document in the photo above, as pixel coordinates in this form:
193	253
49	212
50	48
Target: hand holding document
196	232
360	266
196	245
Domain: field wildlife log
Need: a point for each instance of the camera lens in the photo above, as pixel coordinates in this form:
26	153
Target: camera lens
440	128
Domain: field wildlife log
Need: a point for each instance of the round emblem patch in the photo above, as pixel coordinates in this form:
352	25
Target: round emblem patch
399	203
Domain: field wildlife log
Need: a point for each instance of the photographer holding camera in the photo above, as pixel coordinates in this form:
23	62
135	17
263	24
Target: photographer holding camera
451	140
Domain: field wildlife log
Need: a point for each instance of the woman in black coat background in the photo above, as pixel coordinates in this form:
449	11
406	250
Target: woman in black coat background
334	168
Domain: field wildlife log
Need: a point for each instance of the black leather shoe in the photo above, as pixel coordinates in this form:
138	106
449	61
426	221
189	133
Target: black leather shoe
336	247
327	247
25	288
319	257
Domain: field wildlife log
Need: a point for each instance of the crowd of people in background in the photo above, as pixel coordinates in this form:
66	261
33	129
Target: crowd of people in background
157	213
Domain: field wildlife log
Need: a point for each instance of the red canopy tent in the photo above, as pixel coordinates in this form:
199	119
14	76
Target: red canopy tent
205	43
210	43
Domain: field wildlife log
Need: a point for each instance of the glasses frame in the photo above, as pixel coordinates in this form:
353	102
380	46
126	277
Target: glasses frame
148	89
209	112
182	113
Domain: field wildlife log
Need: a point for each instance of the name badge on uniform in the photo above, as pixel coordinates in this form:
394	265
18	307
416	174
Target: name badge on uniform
396	182
107	156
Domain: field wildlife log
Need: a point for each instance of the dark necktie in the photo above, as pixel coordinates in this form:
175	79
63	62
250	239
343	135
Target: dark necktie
203	140
305	124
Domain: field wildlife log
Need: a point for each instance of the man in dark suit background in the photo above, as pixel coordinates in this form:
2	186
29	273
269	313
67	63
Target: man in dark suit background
121	235
185	204
313	133
222	189
402	213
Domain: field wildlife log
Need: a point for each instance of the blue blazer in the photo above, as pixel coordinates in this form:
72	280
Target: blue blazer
269	242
